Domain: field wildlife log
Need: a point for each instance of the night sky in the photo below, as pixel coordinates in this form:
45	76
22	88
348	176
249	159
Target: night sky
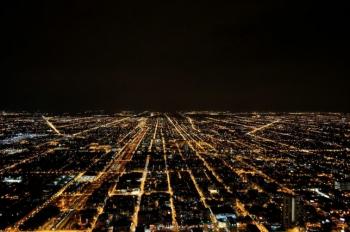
245	55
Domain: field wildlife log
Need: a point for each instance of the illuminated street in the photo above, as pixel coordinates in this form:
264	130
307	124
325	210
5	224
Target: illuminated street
186	171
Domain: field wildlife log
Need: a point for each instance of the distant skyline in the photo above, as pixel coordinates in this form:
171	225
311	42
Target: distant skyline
250	55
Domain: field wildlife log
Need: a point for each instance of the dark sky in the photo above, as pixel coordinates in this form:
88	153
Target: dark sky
240	55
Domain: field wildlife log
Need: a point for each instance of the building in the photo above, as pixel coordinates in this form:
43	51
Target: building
292	207
342	186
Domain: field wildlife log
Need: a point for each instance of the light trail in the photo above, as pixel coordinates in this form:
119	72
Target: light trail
153	138
170	190
72	122
263	127
104	125
229	122
52	126
139	197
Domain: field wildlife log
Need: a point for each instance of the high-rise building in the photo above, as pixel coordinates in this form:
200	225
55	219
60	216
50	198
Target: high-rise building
292	207
342	185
